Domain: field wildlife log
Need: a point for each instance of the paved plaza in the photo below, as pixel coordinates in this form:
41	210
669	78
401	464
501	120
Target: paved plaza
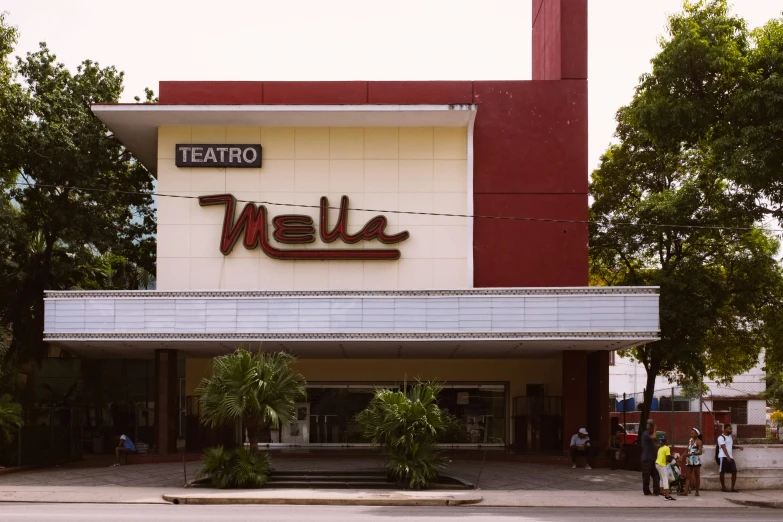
489	475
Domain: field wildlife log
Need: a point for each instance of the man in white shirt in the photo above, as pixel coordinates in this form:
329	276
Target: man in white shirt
580	447
726	448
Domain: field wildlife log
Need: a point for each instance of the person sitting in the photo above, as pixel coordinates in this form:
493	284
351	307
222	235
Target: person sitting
580	447
125	445
615	448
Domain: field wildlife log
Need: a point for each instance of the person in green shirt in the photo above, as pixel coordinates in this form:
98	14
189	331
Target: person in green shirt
664	458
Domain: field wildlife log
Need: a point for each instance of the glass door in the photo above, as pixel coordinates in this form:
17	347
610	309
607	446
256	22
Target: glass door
333	410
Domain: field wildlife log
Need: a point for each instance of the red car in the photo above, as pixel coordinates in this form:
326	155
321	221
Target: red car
631	432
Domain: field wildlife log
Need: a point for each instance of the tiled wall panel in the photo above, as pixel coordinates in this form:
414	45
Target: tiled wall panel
381	169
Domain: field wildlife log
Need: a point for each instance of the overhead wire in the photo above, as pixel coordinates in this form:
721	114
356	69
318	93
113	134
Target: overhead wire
405	212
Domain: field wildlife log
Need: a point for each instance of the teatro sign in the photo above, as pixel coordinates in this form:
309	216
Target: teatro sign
224	155
298	229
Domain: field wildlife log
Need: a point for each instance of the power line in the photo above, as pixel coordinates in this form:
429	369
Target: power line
405	212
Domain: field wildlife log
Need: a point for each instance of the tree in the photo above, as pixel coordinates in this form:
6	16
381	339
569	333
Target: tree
692	232
774	389
407	426
260	389
52	147
10	411
749	143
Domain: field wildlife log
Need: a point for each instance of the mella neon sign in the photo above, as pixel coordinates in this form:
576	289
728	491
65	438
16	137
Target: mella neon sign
297	229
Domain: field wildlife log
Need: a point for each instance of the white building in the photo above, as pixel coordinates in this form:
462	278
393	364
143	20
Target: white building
741	397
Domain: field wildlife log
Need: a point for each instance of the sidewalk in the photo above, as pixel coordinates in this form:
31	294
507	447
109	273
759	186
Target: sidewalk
488	498
510	484
489	475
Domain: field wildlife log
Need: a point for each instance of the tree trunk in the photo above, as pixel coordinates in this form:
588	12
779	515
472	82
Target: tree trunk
649	391
252	435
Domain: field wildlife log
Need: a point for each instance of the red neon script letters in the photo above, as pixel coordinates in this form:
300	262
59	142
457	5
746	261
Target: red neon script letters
294	229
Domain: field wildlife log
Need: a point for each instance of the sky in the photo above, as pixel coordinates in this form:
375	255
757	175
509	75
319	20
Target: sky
349	40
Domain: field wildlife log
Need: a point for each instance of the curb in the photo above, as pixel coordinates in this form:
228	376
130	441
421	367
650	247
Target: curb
410	501
771	504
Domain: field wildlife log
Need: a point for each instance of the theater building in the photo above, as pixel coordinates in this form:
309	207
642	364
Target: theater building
381	232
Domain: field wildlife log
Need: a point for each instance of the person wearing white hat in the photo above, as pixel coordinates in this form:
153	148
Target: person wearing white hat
580	447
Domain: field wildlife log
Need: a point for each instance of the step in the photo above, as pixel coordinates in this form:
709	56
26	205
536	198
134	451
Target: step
332	473
327	478
331	485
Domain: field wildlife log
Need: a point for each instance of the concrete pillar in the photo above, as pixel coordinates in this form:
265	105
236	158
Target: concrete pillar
166	401
598	422
574	393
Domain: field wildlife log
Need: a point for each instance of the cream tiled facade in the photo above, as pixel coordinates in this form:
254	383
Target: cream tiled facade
421	169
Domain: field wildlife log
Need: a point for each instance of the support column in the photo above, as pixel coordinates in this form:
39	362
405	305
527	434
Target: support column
166	401
574	393
598	422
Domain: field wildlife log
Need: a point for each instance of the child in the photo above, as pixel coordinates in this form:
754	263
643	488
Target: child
664	458
615	448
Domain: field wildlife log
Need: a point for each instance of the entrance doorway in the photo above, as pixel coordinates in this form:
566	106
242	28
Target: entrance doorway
328	417
333	412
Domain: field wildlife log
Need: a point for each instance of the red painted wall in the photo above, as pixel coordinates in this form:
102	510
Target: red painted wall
530	161
684	422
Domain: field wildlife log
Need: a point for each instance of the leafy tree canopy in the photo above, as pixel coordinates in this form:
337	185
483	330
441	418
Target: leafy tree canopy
53	235
717	269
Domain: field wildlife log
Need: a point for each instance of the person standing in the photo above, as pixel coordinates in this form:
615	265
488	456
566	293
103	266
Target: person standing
726	456
693	462
649	456
661	462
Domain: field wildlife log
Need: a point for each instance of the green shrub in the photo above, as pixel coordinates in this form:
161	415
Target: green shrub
417	465
407	426
250	469
217	467
239	468
10	418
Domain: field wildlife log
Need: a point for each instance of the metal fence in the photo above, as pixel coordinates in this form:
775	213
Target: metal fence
677	410
49	435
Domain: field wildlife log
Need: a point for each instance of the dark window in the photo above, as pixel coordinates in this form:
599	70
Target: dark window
738	410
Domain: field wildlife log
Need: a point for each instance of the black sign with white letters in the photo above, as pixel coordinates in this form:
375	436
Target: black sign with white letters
222	155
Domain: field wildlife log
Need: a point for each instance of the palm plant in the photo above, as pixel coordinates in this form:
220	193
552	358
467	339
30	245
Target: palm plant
240	468
10	417
407	426
250	469
260	389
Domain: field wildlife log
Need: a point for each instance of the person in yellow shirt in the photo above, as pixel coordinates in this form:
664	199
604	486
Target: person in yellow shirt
664	458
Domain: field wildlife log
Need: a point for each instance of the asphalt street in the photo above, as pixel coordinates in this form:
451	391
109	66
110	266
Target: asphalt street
10	512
